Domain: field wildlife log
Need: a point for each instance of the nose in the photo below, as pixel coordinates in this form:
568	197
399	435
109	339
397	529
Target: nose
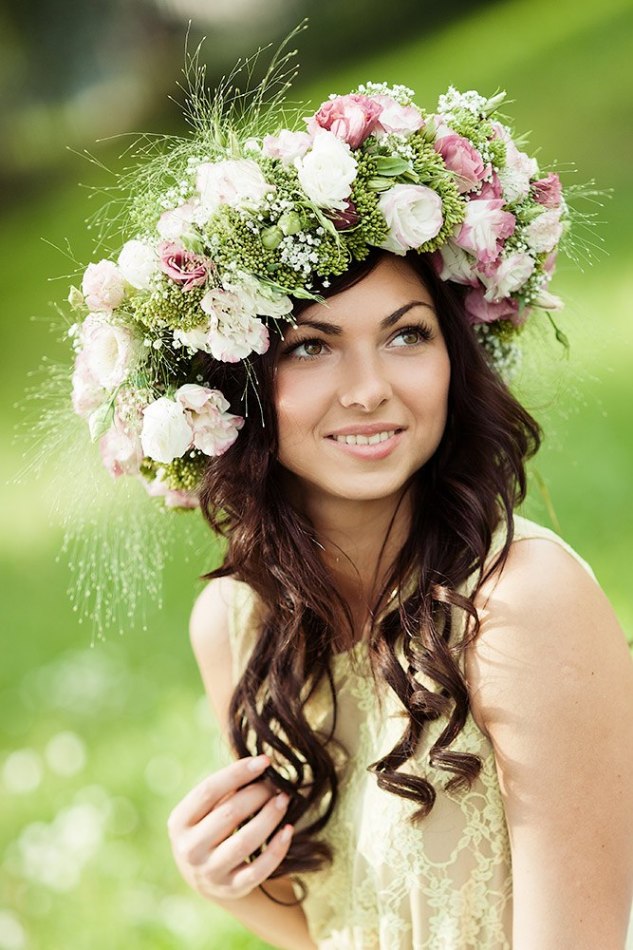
364	383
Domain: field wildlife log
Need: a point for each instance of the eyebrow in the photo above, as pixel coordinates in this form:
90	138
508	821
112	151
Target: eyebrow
334	330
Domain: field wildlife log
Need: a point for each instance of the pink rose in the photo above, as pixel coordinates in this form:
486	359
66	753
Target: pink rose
351	118
396	118
484	228
287	145
103	286
414	216
480	310
462	158
547	191
182	266
491	189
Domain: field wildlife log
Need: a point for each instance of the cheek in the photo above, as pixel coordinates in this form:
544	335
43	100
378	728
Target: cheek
298	404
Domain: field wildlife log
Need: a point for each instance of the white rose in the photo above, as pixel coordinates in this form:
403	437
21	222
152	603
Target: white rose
233	341
166	433
414	216
509	276
327	171
544	232
230	182
103	286
110	352
138	262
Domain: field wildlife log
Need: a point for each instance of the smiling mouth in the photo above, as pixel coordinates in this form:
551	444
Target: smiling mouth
374	439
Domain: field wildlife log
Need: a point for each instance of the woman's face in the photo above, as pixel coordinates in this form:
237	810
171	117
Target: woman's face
362	387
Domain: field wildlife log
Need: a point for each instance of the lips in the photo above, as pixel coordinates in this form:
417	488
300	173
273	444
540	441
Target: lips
366	428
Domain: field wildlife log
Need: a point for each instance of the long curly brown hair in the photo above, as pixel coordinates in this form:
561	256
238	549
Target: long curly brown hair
474	479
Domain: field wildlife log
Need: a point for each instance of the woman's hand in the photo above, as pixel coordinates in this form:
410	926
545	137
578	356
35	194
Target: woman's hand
209	852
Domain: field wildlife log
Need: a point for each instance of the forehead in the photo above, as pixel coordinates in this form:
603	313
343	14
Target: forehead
389	287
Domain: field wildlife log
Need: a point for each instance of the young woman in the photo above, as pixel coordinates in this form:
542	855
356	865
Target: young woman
441	687
307	336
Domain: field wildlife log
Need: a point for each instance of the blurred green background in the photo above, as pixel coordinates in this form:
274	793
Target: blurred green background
100	741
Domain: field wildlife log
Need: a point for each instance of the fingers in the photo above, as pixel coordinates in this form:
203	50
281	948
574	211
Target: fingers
204	796
233	851
223	821
250	875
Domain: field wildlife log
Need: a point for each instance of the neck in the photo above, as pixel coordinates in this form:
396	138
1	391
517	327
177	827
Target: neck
360	540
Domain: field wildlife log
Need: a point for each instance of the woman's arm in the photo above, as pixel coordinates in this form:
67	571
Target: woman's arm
552	682
283	927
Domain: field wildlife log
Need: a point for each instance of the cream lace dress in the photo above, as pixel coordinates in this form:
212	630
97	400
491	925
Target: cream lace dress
442	884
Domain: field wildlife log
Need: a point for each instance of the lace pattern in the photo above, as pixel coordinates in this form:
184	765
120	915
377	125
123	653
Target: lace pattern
442	884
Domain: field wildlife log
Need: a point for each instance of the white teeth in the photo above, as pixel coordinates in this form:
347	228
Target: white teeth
365	439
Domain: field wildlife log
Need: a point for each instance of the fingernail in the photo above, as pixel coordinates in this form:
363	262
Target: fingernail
286	833
258	763
281	801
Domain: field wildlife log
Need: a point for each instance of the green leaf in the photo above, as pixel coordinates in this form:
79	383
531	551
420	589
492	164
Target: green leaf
390	166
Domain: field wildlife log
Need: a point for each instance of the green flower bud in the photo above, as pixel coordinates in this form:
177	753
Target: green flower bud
76	298
272	237
379	184
290	222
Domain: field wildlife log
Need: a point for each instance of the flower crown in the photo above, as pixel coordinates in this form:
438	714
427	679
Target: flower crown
232	226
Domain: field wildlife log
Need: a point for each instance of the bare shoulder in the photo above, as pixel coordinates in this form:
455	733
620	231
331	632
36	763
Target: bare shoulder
209	634
546	622
551	683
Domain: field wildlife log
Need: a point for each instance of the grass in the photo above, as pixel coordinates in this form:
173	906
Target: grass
131	729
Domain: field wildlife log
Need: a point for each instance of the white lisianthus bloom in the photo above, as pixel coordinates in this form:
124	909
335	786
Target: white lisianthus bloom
214	429
548	301
286	146
138	262
195	339
327	171
110	352
457	265
103	286
176	223
234	341
414	216
544	232
166	433
230	182
508	276
516	174
257	297
87	394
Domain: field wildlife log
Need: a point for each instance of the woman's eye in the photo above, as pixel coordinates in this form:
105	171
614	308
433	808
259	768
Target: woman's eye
307	349
411	335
